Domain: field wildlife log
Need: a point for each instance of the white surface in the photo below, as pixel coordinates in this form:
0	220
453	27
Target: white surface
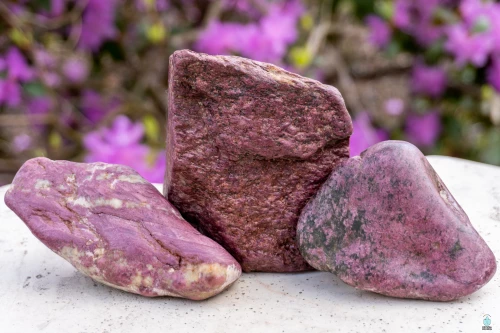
39	291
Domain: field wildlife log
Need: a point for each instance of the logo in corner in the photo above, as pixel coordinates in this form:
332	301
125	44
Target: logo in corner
486	322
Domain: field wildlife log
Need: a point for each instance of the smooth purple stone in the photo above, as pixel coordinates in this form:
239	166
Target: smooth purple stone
115	227
385	222
248	144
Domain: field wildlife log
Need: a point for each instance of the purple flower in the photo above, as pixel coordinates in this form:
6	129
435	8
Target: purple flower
423	130
97	24
426	80
3	65
10	92
467	47
474	10
17	66
493	74
159	5
220	38
40	105
277	30
44	59
249	8
57	7
266	40
394	106
120	144
415	17
364	134
95	107
21	143
380	32
123	132
75	70
50	79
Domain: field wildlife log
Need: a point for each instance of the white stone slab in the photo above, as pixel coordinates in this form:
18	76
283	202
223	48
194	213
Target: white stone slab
40	291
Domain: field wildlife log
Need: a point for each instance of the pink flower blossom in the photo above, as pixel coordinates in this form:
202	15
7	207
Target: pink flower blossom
265	40
95	107
467	47
75	70
394	106
10	92
21	143
427	80
57	7
415	18
493	74
98	23
159	5
17	66
120	144
364	134
423	130
44	59
380	32
40	105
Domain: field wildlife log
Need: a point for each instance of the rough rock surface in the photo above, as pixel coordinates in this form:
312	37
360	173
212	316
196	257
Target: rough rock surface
385	222
247	145
115	227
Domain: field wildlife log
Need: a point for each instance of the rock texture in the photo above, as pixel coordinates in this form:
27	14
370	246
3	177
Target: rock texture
115	227
247	145
385	222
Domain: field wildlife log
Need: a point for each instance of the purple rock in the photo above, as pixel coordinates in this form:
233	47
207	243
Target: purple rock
248	144
385	222
115	227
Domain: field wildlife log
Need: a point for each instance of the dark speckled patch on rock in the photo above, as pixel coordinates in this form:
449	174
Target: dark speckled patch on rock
248	144
385	222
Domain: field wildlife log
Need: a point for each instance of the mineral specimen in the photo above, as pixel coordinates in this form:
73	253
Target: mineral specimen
385	222
248	144
115	227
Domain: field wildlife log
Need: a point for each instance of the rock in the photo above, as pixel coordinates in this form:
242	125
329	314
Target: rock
115	227
385	222
248	144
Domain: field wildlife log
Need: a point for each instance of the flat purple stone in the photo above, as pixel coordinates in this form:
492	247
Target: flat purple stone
385	222
248	144
115	227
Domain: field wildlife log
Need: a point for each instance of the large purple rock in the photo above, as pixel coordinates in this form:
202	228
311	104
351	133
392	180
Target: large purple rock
248	144
115	227
385	222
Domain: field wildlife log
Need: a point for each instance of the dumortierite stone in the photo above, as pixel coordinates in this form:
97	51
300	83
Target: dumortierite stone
115	227
248	144
385	222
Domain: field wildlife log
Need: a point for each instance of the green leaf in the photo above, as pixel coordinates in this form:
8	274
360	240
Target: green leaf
435	51
151	127
45	4
156	33
492	154
300	57
385	9
468	75
393	49
20	38
306	22
34	89
487	92
55	140
481	25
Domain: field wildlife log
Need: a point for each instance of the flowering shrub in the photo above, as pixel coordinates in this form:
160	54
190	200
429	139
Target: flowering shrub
86	79
455	80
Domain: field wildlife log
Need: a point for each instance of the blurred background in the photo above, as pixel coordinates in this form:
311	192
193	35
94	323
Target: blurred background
86	80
